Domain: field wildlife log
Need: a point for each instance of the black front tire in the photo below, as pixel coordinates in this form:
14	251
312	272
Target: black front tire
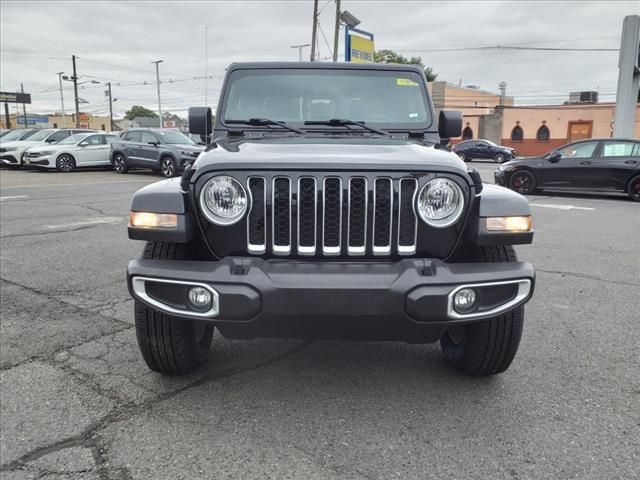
168	344
523	181
463	157
499	158
65	163
489	346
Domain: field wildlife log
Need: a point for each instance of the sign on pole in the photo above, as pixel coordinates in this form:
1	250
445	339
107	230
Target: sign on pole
359	46
15	97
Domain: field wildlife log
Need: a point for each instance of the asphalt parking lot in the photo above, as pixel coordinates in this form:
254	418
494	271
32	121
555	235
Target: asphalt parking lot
78	402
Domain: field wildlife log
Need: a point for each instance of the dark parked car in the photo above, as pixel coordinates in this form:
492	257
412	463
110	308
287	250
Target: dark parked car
357	225
476	149
595	165
162	150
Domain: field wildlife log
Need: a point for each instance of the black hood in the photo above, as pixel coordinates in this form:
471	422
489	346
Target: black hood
328	153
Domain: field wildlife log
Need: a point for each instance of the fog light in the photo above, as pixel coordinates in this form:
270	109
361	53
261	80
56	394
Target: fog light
464	300
200	298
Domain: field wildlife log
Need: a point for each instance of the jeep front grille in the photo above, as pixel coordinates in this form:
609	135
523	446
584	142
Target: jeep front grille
332	215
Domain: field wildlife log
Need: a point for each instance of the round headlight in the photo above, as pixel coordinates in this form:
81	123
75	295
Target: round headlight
440	202
223	200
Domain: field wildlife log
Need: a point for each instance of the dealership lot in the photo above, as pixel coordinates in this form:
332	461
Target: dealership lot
77	401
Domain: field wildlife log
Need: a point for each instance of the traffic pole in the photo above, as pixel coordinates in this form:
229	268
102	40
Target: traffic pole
336	33
110	108
314	32
7	117
24	107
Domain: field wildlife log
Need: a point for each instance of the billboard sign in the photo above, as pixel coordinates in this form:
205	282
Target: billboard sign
17	97
359	46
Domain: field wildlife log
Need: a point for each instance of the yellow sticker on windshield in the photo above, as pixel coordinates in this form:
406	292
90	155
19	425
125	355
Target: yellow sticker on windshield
405	82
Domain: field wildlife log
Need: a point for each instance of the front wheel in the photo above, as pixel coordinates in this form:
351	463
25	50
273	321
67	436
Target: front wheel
522	181
462	156
489	346
168	344
499	158
65	163
634	188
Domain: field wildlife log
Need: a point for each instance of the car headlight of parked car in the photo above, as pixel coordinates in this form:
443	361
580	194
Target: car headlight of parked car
188	153
506	167
223	200
440	202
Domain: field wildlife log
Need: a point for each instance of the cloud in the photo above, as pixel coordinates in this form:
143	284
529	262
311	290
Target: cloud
116	41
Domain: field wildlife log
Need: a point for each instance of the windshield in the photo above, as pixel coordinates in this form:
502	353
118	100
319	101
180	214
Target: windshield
41	135
388	99
491	143
73	139
17	135
175	138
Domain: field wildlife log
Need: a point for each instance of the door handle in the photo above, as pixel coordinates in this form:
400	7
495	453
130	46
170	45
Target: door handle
585	162
631	162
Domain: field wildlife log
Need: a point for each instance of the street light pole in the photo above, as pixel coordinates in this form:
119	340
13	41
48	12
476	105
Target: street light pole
24	107
300	47
158	62
314	32
336	33
64	123
75	90
206	62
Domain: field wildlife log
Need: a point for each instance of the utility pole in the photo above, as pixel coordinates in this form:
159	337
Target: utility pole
24	107
64	123
314	32
75	90
628	78
206	61
158	62
336	33
7	117
110	108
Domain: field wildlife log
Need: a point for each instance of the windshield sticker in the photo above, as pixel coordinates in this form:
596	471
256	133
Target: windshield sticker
405	82
413	115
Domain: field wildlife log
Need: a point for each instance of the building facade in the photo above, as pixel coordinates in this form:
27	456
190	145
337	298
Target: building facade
57	121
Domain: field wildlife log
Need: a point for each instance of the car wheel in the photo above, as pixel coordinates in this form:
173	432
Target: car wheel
522	181
499	158
633	189
120	163
489	346
168	344
462	156
168	167
65	163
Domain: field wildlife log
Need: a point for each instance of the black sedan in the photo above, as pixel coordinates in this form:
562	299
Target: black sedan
596	165
476	149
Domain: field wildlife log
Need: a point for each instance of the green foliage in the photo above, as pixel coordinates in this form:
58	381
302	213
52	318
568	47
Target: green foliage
139	111
389	56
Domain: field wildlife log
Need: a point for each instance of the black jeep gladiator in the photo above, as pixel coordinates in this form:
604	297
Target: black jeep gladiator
327	207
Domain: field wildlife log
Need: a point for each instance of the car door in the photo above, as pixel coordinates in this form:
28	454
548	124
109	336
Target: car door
151	149
482	150
569	166
617	160
91	150
133	147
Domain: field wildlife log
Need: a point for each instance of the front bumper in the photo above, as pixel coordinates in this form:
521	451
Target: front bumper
408	300
37	162
500	177
9	159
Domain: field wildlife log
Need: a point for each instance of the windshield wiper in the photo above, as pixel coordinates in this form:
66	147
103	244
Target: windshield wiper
344	122
265	122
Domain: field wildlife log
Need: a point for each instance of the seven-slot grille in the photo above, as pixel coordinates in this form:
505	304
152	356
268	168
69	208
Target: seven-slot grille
332	215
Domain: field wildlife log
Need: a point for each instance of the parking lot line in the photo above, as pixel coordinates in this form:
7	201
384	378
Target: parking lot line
13	197
51	185
560	206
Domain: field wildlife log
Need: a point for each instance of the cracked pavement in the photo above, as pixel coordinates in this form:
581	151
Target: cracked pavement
78	402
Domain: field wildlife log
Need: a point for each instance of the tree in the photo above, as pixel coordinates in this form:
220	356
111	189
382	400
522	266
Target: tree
139	111
389	56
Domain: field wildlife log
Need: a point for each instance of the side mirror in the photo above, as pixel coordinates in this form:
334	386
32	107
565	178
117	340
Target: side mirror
155	144
51	140
554	157
200	121
83	144
449	125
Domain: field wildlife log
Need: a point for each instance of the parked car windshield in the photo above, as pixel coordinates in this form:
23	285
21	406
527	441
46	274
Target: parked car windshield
73	139
41	135
389	99
17	135
174	138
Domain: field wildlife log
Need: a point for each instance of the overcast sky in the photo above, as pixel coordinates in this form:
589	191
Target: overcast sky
116	41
